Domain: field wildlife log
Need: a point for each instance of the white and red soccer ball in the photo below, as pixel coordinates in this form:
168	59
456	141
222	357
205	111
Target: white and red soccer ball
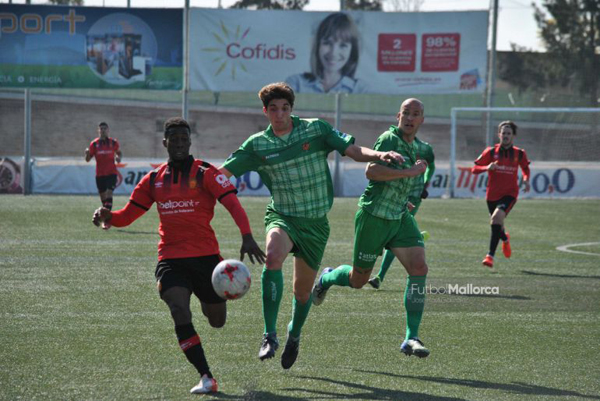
231	279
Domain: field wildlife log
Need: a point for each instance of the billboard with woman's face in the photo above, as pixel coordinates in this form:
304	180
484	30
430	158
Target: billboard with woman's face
347	52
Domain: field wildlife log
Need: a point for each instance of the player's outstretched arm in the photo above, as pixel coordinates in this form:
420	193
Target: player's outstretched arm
251	248
249	245
120	218
377	172
362	154
227	173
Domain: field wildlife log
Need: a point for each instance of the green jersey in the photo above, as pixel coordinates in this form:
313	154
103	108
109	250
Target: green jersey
387	199
294	170
424	152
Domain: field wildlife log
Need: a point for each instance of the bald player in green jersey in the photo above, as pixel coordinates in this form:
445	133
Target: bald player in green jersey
383	221
418	192
291	158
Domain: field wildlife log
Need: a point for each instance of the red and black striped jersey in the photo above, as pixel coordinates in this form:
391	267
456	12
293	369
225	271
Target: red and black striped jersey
185	197
503	180
104	151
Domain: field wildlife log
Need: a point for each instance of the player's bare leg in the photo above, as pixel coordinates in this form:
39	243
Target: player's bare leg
304	277
215	313
497	226
106	200
278	246
178	301
413	260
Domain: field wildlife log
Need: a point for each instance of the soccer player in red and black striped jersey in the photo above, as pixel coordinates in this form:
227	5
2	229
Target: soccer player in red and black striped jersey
502	164
185	191
106	150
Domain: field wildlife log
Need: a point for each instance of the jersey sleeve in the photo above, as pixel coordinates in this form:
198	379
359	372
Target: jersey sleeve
139	203
524	163
485	158
430	159
217	184
92	148
242	160
142	194
336	139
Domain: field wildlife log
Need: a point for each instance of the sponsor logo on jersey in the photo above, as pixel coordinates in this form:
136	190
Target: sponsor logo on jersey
181	204
222	179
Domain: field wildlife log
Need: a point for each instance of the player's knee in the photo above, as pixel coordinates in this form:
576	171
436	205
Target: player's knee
180	313
217	321
275	259
419	269
302	297
358	281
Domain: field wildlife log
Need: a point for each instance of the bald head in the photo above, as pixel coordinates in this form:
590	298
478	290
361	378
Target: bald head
413	101
410	117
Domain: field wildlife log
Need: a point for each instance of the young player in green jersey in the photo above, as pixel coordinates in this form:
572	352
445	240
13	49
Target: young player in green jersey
383	221
417	193
291	158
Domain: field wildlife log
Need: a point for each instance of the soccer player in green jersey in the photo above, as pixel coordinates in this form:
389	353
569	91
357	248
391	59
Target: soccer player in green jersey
383	221
291	158
418	192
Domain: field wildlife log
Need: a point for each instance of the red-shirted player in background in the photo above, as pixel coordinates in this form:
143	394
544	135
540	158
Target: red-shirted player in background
502	164
106	151
185	191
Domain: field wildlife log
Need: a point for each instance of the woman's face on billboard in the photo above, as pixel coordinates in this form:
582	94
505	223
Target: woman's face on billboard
334	53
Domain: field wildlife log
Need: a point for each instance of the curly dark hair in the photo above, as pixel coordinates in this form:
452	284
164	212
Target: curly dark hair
175	122
278	90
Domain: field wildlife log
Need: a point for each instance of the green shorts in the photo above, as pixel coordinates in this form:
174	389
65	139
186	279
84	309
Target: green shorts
308	235
372	234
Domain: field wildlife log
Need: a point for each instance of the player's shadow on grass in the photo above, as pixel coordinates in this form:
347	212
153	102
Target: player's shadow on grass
366	392
255	395
513	387
557	275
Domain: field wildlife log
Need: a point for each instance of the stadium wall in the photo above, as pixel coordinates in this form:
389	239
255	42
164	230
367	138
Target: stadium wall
548	180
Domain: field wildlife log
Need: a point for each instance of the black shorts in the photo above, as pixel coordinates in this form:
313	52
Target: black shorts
505	203
192	273
106	182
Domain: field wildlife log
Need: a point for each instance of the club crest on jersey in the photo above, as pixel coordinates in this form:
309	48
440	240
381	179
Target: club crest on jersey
306	146
193	183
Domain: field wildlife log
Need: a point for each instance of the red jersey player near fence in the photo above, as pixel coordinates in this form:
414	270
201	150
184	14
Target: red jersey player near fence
502	164
106	150
185	191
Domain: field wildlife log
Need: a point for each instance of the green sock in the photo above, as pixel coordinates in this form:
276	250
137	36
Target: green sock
272	290
386	262
299	314
414	303
339	276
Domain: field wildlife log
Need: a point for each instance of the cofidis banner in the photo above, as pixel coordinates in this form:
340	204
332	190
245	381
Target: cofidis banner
353	52
89	47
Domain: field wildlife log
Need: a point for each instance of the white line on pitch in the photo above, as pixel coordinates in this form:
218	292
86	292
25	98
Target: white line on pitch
565	248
